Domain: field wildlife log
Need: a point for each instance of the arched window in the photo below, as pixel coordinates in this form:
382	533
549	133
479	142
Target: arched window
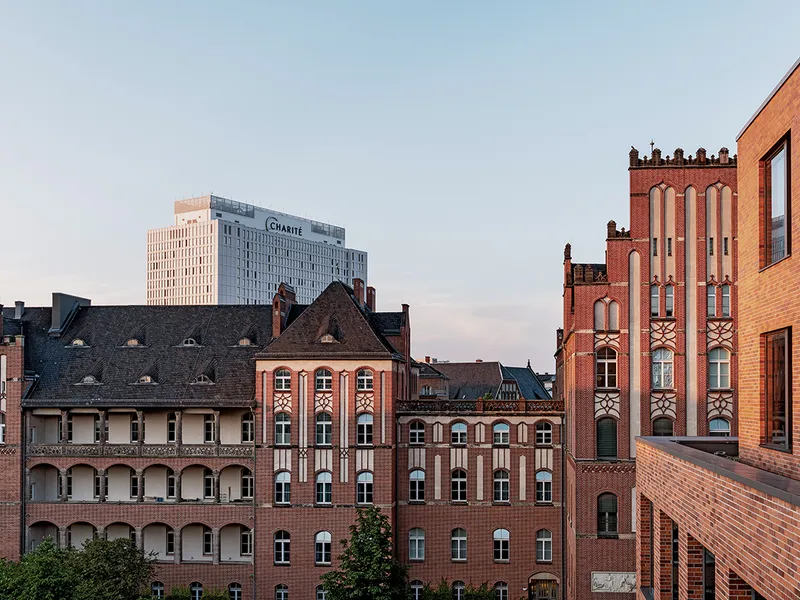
322	548
283	429
157	590
281	592
247	484
196	590
416	544
283	485
544	433
324	429
606	438
235	591
607	515
711	300
416	589
458	590
606	368
662	369
458	486
324	487
245	341
203	378
544	546
416	432
613	316
662	426
364	380
208	483
726	301
501	434
458	434
544	486
458	544
416	486
599	315
501	545
364	429
364	488
654	308
719	427
172	428
189	342
501	590
282	547
501	486
669	297
283	380
324	380
719	369
248	428
322	594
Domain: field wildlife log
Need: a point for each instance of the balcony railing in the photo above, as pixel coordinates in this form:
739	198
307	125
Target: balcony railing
148	450
481	405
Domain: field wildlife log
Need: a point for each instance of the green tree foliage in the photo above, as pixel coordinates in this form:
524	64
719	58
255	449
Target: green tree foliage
444	591
368	569
179	592
215	594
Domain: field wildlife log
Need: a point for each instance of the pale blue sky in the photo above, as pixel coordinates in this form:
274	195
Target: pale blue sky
462	144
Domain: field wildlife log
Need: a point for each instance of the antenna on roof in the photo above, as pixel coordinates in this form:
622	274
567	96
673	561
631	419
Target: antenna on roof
652	145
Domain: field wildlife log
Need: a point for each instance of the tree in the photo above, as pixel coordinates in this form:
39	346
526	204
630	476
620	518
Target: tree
368	569
47	573
112	570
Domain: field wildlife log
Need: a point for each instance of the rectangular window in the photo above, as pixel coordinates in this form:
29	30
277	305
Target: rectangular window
170	486
777	417
655	246
709	576
208	542
669	246
670	300
711	246
134	430
726	301
170	542
725	246
134	486
654	308
675	561
711	296
208	429
776	204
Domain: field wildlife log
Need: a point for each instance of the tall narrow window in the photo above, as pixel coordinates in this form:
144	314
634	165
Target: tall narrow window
364	488
171	484
655	246
501	591
711	246
544	487
283	429
719	369
544	546
669	297
606	438
283	483
777	419
669	246
711	297
169	542
364	430
416	486
607	515
709	576
235	591
662	369
208	484
324	487
458	486
195	591
416	544
458	590
500	434
458	434
248	428
606	368
172	428
776	205
416	432
726	301
501	545
675	561
458	544
502	491
654	308
134	484
324	429
322	548
209	429
157	590
208	541
247	484
282	547
725	246
417	588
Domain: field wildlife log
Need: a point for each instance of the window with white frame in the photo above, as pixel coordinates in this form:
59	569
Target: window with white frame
196	591
662	369
246	542
711	300
283	483
324	429
364	380
364	488
458	544
501	545
282	547
416	588
324	487
502	492
544	433
281	592
364	429
416	544
726	301
157	590
544	487
544	546
458	434
501	590
669	298
235	591
606	368
501	434
322	548
209	429
248	428
416	432
283	429
322	593
416	486
247	484
719	369
654	301
719	427
458	486
208	483
172	428
458	590
324	380
208	541
283	380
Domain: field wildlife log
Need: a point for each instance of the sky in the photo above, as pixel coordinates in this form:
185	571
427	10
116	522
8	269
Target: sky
462	144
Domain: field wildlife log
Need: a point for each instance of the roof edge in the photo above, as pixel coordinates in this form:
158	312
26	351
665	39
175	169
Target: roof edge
769	98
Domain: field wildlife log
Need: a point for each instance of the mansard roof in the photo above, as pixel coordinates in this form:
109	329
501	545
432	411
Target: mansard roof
176	345
477	379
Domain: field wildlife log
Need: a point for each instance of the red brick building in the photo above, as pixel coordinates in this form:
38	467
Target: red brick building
236	442
722	520
648	347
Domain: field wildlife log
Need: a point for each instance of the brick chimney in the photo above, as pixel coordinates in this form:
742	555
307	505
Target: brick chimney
281	303
358	290
478	360
19	309
371	298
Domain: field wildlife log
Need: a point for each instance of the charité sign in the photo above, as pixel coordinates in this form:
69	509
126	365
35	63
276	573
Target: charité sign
273	224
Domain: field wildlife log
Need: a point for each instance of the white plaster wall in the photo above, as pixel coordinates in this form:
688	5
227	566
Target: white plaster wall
41	531
45	430
230	483
192	483
230	544
230	427
82	483
82	429
155	428
192	426
119	427
119	484
117	531
45	483
155	540
81	533
155	482
192	544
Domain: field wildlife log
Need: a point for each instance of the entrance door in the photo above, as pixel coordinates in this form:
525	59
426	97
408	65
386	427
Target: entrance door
543	590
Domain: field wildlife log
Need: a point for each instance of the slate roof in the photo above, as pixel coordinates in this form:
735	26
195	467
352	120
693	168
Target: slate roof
476	379
530	387
428	370
58	368
356	331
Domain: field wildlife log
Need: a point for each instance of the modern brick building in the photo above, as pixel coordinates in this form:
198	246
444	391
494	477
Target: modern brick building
721	519
235	442
648	347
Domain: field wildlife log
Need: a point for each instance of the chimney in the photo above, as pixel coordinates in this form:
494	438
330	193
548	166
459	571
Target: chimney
428	359
371	298
611	229
19	309
277	319
358	290
478	360
724	156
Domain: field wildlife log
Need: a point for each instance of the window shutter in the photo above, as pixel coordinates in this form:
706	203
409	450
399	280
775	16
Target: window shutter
606	438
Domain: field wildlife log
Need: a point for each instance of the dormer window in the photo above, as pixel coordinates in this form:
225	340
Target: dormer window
245	341
189	342
203	378
327	339
78	343
145	379
133	342
89	380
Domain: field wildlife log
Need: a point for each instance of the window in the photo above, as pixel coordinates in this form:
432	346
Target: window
157	590
97	484
669	246
282	547
458	486
322	594
458	590
283	483
196	591
208	541
171	482
501	544
777	418
669	296
544	433
458	434
283	380
607	515
416	486
711	246
364	488
711	300
96	429
654	309
170	542
501	590
364	380
662	369
675	561
246	542
416	544
248	428
324	381
322	548
134	484
283	429
655	246
364	430
208	429
324	487
544	487
281	592
606	438
544	546
662	426
606	368
501	434
235	591
458	544
208	483
725	246
776	205
719	369
324	429
501	486
172	428
247	483
509	390
416	432
726	301
416	589
709	576
719	427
